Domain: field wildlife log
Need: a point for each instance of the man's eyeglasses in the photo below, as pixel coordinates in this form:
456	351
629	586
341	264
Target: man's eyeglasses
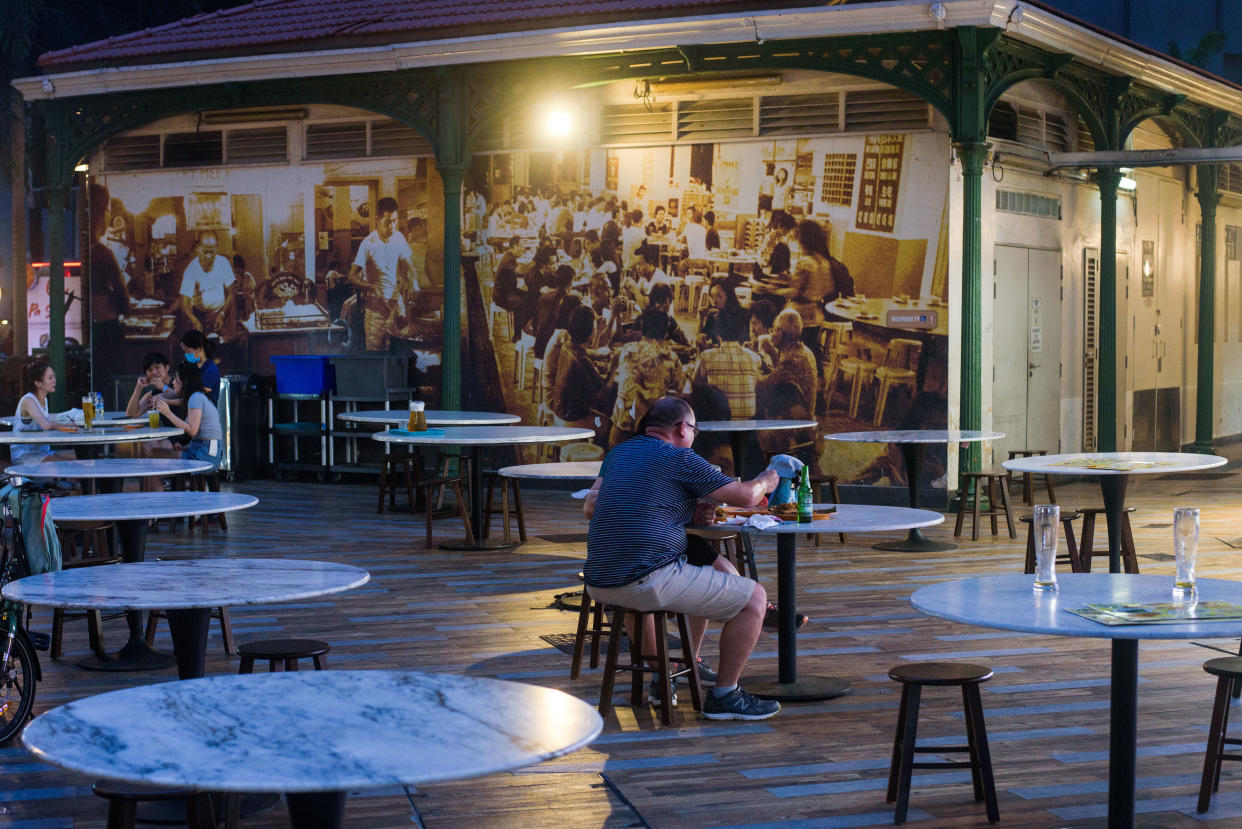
692	426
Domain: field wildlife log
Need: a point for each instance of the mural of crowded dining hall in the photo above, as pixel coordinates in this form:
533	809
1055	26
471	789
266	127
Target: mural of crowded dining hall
799	278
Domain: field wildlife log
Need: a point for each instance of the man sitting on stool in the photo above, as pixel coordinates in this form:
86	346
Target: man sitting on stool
639	507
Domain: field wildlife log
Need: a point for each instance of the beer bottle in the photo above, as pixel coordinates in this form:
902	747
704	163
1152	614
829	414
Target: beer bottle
804	496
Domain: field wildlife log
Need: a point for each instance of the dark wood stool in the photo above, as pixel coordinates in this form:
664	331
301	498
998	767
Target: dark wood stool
207	482
507	486
973	482
818	482
1070	556
82	544
395	469
732	545
1028	478
278	651
912	678
1228	671
219	613
639	669
593	624
1129	560
123	800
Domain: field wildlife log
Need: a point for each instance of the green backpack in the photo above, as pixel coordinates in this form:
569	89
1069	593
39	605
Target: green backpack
42	546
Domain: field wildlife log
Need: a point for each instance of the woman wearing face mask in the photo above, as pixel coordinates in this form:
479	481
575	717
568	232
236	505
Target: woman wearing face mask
202	421
198	351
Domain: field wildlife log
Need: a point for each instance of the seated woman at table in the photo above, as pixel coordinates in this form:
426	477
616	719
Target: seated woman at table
763	314
607	313
32	415
577	385
778	254
724	303
198	351
202	420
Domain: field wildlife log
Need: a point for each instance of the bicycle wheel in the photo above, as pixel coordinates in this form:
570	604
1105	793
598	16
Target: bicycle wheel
17	687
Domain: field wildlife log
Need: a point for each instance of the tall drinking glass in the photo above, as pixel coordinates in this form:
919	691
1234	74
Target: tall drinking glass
88	410
1185	548
1046	520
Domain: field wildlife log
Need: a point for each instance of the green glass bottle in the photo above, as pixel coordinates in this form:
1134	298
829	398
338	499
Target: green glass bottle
804	496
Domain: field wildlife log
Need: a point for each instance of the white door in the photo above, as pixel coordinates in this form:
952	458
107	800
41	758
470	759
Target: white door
1026	340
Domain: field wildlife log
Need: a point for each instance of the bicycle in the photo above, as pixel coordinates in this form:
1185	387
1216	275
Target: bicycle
20	671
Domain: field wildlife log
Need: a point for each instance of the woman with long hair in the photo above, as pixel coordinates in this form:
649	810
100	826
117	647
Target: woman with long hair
201	422
812	282
38	380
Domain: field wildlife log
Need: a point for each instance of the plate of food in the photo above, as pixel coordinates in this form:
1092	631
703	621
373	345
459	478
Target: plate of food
783	512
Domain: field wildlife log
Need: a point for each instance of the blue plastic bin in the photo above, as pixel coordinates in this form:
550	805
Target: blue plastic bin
304	375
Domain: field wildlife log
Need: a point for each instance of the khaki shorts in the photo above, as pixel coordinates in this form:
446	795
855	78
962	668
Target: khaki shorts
682	587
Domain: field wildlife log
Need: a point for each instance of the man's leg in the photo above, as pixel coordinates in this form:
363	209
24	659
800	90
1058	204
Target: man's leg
738	638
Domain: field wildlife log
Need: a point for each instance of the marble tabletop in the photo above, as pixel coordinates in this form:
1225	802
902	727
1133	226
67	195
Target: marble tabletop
1010	603
135	506
190	583
108	468
107	434
489	435
1123	463
312	731
753	425
112	418
915	436
434	418
563	471
854	518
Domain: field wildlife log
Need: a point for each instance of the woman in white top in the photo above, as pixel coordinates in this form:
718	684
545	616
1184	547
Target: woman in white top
32	415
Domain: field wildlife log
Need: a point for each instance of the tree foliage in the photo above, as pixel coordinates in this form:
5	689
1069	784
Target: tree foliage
1211	43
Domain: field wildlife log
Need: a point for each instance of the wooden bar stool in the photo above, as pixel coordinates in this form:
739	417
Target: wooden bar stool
593	624
123	800
507	486
282	651
912	678
1228	673
220	614
207	482
1028	478
396	468
1129	559
972	482
82	544
639	669
730	544
818	482
1070	556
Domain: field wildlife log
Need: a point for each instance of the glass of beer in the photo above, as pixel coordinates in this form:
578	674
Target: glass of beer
88	410
418	417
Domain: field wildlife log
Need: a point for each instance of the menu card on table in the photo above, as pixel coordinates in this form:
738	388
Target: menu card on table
1158	613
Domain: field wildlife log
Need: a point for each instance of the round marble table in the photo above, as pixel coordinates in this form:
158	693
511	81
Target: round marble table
1114	470
108	468
562	471
57	438
739	432
187	590
475	438
107	418
398	417
314	735
131	511
788	685
913	444
1011	603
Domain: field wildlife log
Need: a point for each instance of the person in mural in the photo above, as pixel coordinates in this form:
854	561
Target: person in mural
766	188
731	368
659	218
207	286
577	385
780	190
723	304
636	547
632	238
548	308
607	310
694	238
762	317
711	239
645	371
812	284
109	293
384	271
778	253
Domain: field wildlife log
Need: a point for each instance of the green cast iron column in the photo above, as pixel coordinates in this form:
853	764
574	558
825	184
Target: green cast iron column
1106	321
1209	197
972	154
56	197
450	359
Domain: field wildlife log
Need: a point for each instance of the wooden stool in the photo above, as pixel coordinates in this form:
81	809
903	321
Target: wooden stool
912	678
219	613
818	482
1028	478
93	551
287	651
593	625
507	486
973	481
1070	556
732	545
1228	671
1129	560
639	669
123	800
207	482
397	467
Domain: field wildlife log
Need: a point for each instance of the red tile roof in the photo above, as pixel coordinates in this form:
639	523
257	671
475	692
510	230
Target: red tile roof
303	25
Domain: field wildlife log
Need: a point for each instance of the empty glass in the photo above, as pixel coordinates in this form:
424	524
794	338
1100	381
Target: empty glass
1185	548
1045	522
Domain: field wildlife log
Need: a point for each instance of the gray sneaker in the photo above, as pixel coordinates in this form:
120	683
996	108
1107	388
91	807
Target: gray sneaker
706	675
653	691
738	705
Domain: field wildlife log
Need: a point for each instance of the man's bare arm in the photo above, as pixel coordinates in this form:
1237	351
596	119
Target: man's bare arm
588	505
747	493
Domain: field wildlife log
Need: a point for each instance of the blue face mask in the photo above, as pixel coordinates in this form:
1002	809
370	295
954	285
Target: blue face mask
191	357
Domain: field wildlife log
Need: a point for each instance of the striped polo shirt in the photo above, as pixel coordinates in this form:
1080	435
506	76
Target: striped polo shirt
647	497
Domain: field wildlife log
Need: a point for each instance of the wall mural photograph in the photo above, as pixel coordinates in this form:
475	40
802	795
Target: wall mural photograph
800	278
